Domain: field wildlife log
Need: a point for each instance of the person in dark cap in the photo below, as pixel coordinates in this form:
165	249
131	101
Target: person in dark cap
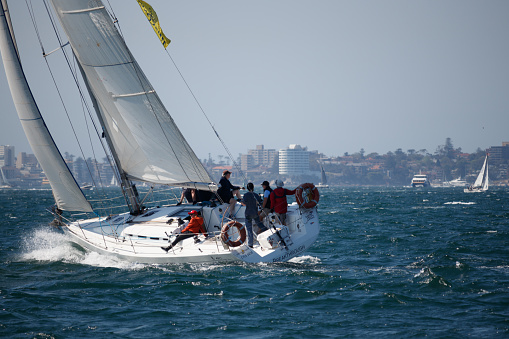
226	191
194	227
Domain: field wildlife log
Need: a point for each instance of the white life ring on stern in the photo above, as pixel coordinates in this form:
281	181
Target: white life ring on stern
233	233
307	195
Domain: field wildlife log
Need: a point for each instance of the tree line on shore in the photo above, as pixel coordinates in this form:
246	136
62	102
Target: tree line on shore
398	167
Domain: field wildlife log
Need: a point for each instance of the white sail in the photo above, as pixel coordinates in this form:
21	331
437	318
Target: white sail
66	191
148	144
486	176
324	177
481	178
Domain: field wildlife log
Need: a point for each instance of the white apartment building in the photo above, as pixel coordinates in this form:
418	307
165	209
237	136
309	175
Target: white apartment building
294	160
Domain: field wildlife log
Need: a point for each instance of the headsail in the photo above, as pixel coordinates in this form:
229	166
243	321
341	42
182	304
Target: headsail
66	191
146	140
482	179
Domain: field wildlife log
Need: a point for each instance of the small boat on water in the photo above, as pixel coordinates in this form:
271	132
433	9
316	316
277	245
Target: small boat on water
482	182
420	180
455	183
145	146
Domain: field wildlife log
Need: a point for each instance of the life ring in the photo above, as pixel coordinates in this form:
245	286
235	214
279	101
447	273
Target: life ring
233	234
307	195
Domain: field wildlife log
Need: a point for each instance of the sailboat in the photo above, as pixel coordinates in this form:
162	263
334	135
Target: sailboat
323	182
4	183
146	146
481	184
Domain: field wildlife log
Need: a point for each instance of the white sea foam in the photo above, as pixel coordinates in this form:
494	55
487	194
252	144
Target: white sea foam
459	203
45	244
305	259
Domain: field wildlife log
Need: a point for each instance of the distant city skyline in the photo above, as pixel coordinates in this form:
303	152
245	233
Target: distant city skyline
335	76
226	159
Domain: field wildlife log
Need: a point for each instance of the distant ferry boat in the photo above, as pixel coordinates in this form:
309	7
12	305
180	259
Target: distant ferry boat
420	180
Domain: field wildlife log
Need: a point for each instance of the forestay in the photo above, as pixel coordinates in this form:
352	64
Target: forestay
148	144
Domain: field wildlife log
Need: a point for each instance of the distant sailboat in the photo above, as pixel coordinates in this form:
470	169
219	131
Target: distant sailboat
323	183
4	183
482	182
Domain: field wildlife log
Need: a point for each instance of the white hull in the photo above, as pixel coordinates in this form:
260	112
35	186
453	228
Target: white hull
420	180
455	183
139	239
474	190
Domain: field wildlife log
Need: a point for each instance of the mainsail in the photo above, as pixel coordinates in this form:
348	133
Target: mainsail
145	139
66	191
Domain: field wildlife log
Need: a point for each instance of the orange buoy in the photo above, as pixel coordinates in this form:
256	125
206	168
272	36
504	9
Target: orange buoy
233	234
307	195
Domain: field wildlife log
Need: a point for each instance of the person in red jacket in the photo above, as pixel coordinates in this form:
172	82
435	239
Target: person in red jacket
194	227
278	201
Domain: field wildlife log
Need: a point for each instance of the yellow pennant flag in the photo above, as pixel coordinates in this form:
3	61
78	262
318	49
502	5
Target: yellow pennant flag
154	21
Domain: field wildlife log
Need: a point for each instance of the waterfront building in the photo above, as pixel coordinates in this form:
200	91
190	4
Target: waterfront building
7	157
257	157
499	154
294	160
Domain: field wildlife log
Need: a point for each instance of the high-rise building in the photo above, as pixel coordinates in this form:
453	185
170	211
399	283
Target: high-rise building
246	162
257	157
7	157
26	160
294	160
499	154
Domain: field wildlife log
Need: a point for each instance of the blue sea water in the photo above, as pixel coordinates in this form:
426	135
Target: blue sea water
390	262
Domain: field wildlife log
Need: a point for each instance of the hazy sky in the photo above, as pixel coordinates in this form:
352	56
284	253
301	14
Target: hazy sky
335	76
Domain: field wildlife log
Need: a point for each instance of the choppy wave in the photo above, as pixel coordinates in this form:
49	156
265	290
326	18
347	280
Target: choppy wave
388	263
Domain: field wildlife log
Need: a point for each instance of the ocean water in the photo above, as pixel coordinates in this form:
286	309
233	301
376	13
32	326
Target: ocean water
390	262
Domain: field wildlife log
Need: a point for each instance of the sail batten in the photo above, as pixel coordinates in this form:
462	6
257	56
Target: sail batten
77	11
131	94
146	140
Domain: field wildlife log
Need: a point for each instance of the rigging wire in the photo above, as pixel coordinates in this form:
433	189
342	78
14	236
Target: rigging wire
206	117
84	105
30	10
73	72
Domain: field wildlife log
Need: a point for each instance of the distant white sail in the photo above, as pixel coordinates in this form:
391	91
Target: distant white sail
481	184
482	178
66	191
324	177
148	144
